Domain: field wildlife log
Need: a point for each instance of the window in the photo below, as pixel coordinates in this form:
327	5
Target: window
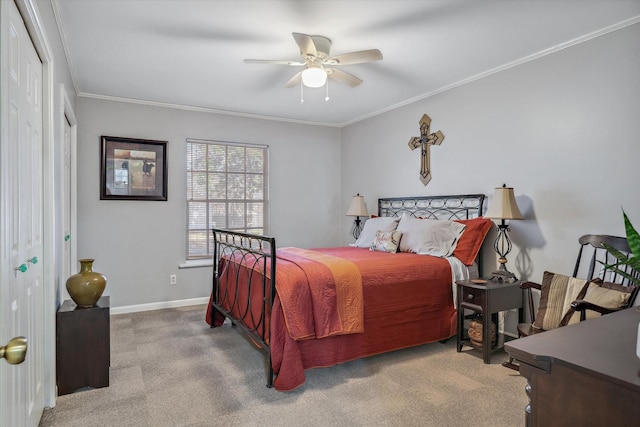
226	188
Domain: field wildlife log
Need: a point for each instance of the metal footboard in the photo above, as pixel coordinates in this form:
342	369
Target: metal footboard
244	267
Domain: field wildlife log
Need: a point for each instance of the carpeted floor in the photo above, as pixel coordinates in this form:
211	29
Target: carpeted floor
168	368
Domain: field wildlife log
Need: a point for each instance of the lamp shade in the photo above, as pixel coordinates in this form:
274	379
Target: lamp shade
357	207
503	205
314	76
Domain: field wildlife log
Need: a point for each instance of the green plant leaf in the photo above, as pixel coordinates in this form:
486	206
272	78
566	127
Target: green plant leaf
622	257
632	279
634	262
628	265
632	236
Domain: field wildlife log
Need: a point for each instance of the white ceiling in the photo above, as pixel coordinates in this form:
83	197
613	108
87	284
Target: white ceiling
190	53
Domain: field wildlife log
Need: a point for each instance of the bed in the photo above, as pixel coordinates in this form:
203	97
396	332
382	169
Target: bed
315	308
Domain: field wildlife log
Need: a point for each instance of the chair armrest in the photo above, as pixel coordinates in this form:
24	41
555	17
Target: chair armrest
530	285
582	306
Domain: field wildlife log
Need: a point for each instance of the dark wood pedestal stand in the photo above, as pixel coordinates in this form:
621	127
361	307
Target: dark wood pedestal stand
82	346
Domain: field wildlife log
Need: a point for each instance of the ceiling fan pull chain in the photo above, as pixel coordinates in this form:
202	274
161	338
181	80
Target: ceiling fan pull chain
301	92
326	98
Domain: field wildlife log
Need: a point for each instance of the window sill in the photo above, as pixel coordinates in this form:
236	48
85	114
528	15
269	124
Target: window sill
197	263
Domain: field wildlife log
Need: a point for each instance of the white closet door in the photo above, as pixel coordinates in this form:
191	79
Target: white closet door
21	231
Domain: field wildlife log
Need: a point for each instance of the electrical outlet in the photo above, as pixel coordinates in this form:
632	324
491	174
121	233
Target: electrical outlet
173	280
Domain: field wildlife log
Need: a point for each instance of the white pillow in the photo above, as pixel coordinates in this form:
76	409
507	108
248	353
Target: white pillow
373	225
429	236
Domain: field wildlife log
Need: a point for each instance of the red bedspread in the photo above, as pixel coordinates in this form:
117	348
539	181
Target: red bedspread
407	302
327	301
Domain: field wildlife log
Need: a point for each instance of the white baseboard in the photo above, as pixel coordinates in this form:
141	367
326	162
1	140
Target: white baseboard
158	305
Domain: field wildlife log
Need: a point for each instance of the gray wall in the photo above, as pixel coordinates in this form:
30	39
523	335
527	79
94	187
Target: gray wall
137	245
561	130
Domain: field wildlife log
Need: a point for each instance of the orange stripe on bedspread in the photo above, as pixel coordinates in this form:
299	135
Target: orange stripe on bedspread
333	294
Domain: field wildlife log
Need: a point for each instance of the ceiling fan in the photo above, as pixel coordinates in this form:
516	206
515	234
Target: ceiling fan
319	65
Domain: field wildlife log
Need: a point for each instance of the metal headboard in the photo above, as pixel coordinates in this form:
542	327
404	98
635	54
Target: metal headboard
434	207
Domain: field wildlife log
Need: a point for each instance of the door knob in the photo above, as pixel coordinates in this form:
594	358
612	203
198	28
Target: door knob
33	260
21	268
15	350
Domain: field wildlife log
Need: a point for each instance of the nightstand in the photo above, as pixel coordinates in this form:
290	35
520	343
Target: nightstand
487	299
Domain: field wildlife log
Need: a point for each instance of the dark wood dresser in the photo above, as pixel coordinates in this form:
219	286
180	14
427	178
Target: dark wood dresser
585	374
83	346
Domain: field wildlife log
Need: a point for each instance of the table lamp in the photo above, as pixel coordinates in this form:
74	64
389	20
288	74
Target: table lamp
503	207
357	209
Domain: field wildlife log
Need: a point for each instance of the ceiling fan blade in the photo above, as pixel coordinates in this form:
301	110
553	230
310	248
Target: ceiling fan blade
295	80
355	57
343	77
274	61
306	44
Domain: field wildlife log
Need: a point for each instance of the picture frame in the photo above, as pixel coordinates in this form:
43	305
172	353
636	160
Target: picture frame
133	169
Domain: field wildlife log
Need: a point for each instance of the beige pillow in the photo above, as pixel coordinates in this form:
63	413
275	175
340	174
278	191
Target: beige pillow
607	295
558	292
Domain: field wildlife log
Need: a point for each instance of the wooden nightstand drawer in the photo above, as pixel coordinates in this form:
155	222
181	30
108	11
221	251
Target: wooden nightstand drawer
472	295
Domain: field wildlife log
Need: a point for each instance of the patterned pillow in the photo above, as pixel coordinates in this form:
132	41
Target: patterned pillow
386	241
558	292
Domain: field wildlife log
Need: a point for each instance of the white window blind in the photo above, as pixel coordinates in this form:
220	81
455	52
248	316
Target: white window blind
226	188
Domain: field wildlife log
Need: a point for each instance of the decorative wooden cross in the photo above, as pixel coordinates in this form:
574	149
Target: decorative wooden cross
425	140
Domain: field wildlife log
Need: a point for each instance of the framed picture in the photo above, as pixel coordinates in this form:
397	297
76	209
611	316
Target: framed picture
133	169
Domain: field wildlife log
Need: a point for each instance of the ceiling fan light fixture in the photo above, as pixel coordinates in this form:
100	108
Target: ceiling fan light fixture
314	76
315	53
